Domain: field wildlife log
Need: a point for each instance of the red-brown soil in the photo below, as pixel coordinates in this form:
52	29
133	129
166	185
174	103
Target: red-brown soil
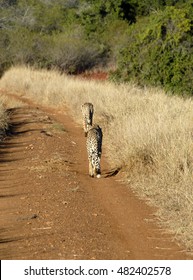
101	76
51	209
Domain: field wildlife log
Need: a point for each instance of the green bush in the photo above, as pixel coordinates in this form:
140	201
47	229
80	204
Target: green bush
159	51
72	53
115	37
47	34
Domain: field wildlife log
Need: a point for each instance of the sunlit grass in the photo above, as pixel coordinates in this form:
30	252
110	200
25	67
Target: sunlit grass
3	119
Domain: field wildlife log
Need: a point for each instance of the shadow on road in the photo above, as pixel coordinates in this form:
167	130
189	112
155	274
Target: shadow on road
22	123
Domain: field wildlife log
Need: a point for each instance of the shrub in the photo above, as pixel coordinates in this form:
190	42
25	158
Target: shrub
71	53
159	51
68	51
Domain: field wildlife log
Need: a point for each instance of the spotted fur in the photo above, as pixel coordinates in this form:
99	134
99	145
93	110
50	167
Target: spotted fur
94	150
87	112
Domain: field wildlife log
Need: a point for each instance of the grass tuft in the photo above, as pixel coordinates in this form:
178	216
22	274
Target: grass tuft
3	119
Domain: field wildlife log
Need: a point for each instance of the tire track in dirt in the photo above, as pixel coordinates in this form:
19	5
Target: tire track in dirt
51	208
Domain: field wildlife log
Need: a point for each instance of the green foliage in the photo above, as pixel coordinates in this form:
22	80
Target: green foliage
47	34
95	15
159	51
151	41
6	3
146	7
40	17
70	52
115	37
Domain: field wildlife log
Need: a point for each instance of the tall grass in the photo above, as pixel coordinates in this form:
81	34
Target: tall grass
6	102
146	133
3	118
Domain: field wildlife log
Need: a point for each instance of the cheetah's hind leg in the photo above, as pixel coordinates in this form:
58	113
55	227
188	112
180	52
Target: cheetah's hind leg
91	173
97	172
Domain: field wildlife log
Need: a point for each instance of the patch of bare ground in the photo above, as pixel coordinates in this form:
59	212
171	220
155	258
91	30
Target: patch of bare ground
99	75
51	209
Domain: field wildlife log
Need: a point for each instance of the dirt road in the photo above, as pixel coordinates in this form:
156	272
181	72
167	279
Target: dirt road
51	209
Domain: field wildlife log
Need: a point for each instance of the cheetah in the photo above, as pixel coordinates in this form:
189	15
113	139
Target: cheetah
94	150
87	111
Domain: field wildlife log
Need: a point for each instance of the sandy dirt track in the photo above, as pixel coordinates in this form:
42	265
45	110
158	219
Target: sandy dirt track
51	209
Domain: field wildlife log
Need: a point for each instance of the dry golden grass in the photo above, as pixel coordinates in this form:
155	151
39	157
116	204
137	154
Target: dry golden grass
146	133
3	119
9	102
6	103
